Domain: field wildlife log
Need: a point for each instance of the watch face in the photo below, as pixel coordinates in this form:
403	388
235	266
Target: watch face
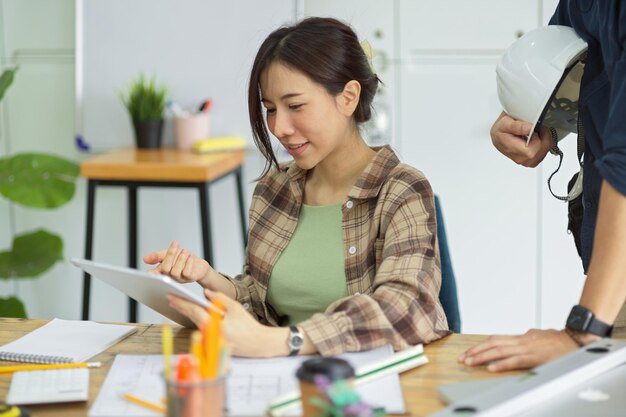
579	319
295	341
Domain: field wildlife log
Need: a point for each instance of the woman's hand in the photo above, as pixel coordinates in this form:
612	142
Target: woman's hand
246	336
179	264
185	267
505	353
509	137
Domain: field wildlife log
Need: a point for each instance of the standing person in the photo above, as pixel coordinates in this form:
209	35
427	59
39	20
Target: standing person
342	252
602	103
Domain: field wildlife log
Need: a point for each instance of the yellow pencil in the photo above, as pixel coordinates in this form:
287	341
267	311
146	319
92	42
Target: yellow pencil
144	403
168	347
198	352
17	368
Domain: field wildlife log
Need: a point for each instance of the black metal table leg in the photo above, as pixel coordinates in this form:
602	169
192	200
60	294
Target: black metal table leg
91	197
132	245
133	186
205	220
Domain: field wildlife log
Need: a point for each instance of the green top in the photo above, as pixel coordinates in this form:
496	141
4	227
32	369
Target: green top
309	274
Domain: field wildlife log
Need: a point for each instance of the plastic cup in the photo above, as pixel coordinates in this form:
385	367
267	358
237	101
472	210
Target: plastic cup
204	398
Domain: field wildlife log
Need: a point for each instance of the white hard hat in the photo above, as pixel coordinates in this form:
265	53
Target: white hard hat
539	78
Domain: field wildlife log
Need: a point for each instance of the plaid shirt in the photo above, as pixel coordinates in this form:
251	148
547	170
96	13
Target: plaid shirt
391	254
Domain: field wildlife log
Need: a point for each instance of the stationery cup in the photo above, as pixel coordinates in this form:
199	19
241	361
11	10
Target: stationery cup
191	128
332	368
204	398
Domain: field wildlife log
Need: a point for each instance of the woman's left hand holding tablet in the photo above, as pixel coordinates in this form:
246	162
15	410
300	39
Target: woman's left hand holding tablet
246	336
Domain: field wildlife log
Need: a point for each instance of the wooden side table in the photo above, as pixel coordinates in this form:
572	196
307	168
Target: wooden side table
133	168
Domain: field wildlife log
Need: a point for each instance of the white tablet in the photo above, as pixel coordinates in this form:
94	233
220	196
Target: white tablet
148	289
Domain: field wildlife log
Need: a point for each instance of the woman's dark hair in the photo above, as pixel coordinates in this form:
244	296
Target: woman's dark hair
328	52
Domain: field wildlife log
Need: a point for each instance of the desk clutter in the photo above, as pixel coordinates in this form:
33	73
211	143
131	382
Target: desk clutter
206	381
185	384
252	386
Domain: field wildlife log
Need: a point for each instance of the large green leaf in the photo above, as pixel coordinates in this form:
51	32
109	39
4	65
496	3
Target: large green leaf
12	307
38	180
32	254
5	80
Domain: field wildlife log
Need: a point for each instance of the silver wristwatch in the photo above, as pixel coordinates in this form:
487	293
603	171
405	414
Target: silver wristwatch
295	340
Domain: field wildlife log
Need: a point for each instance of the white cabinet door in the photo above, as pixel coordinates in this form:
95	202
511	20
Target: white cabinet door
463	25
372	19
489	204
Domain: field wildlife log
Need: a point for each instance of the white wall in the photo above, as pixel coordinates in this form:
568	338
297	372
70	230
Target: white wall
522	269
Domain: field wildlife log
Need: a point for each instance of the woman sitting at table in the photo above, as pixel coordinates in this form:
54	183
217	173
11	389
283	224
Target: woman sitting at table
342	252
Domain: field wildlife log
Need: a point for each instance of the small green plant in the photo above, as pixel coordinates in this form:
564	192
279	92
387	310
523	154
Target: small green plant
32	180
145	100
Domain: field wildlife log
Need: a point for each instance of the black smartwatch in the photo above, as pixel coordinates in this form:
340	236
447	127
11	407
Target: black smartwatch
582	320
295	340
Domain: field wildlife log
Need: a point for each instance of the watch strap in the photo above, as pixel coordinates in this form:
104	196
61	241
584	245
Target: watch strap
294	335
600	328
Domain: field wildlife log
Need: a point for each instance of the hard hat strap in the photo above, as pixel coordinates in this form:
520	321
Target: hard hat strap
555	149
580	150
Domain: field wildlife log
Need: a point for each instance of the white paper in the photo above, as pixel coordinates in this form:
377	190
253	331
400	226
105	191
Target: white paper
250	386
72	339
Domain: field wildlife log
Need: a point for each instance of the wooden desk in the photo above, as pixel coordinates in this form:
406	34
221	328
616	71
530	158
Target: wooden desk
419	385
133	168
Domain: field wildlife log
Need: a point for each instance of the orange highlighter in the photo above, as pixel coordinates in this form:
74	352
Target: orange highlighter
213	341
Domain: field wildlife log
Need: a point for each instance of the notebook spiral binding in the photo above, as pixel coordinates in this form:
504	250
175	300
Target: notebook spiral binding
23	357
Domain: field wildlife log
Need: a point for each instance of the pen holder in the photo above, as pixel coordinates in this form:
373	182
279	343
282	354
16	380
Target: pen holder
204	398
333	369
191	128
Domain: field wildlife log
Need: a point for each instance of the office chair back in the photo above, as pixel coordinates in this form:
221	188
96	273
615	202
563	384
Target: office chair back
447	294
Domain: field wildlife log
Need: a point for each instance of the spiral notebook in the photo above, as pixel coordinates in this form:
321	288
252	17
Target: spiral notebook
64	341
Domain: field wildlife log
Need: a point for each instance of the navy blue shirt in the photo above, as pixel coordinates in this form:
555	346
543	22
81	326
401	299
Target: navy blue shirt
602	24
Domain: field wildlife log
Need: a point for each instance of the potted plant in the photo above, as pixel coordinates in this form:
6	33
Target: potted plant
32	180
145	101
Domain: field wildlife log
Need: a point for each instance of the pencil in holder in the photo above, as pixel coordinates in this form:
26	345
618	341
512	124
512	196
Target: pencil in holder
191	128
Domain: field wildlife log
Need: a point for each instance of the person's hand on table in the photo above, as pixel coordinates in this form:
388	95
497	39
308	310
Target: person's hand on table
246	336
506	353
509	135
